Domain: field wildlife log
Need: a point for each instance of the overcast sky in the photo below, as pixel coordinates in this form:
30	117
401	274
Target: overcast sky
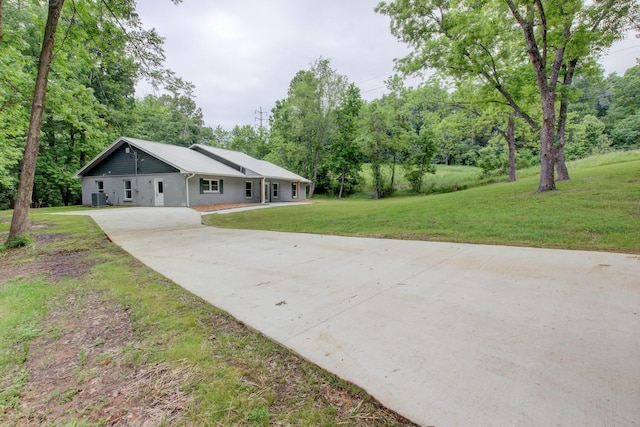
242	54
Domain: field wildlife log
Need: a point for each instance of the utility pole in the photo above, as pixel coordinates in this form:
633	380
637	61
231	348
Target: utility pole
259	114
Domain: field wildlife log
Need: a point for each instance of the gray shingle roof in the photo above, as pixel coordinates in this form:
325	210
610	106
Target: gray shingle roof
259	167
182	158
202	160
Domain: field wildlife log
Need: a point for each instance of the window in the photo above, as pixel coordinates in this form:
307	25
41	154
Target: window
275	190
211	186
128	190
100	186
248	189
294	190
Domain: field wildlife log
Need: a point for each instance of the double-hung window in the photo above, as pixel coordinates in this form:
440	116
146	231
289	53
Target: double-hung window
100	186
211	185
248	189
275	190
128	190
294	190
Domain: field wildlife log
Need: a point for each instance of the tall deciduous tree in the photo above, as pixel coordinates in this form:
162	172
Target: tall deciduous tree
375	137
144	46
303	125
27	174
464	38
345	154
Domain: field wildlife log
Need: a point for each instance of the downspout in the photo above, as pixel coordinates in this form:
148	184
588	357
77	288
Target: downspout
186	183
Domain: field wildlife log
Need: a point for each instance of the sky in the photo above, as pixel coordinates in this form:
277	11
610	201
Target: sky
242	54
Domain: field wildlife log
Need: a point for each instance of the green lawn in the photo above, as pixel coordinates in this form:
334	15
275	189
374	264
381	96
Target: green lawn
89	336
598	209
78	315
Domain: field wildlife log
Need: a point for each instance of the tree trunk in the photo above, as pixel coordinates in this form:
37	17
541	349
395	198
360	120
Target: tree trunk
393	175
344	173
561	167
19	223
547	152
377	179
511	143
316	163
547	78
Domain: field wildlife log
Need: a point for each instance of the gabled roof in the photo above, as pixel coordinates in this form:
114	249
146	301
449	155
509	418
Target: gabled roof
201	160
181	158
261	168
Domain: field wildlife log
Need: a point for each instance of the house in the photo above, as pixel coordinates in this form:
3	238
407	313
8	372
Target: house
134	172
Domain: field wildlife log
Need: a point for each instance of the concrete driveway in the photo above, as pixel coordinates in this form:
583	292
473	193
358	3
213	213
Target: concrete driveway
445	334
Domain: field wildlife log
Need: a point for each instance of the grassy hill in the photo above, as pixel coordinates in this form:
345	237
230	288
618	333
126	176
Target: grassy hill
598	209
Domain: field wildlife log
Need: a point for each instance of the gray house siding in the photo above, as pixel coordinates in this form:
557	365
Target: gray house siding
142	189
232	191
134	172
285	191
122	163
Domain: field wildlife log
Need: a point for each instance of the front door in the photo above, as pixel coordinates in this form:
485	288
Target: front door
267	192
159	190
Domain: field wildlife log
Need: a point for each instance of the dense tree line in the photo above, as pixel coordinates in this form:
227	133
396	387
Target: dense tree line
100	53
483	107
409	130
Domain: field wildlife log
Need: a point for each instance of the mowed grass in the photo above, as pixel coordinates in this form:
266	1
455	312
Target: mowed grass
598	209
78	314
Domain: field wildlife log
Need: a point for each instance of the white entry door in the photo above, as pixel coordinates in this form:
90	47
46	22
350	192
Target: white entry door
267	191
159	190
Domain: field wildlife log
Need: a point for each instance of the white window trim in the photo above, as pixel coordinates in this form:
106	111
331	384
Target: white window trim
275	188
129	190
211	181
294	190
98	185
250	196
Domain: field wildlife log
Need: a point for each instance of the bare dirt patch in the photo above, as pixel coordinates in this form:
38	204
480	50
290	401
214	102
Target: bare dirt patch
55	266
78	370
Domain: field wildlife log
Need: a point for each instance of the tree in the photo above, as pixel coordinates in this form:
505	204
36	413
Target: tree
376	127
390	137
345	154
171	119
25	188
424	108
303	125
249	140
145	46
466	38
624	114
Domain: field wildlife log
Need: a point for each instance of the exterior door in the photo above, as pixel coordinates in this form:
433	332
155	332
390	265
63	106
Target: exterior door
267	191
159	191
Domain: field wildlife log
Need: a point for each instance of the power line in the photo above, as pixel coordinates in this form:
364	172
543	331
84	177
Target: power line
623	49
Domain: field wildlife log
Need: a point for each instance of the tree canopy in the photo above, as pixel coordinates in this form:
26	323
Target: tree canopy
493	39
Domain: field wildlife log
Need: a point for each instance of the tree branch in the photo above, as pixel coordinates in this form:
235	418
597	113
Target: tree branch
543	22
